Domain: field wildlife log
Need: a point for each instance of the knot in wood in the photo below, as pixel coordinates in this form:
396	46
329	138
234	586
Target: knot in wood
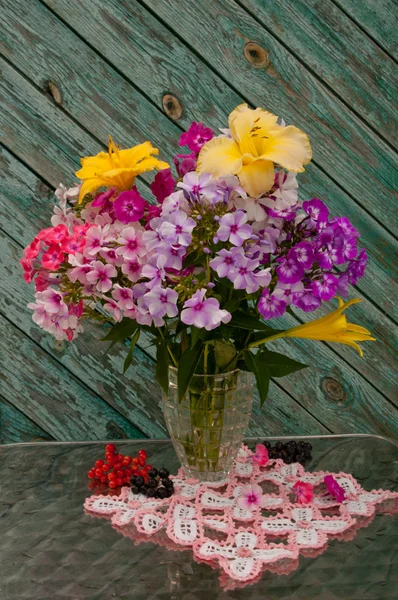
334	390
172	106
55	93
256	55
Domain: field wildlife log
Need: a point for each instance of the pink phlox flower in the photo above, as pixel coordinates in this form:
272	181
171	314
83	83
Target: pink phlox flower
196	136
123	296
102	198
52	300
144	317
42	281
110	255
76	309
152	212
132	269
79	270
251	496
233	227
185	163
100	275
334	488
260	457
202	312
64	194
113	308
73	244
32	251
176	201
129	206
304	492
52	258
162	185
28	270
151	237
177	228
161	302
131	243
93	241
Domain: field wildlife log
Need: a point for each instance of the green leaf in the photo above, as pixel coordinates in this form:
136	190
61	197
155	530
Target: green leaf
121	331
186	368
258	366
280	365
162	367
195	333
224	353
247	321
129	357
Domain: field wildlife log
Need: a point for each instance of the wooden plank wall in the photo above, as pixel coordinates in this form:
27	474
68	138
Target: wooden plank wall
73	71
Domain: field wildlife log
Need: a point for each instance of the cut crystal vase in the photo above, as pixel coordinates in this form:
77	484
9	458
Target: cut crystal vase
208	425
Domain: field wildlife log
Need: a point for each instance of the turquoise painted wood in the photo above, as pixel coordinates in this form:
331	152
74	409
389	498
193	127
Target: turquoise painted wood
323	66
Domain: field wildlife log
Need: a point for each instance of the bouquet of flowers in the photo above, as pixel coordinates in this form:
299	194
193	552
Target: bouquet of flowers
223	249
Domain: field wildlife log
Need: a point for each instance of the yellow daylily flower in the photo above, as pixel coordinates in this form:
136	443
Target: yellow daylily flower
257	143
330	328
117	168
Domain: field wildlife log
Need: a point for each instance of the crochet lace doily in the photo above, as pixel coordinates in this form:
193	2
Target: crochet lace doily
243	543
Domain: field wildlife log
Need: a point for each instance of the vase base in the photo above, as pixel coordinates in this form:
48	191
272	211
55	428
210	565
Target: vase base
204	476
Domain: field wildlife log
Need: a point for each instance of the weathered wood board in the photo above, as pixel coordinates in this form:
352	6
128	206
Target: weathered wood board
326	67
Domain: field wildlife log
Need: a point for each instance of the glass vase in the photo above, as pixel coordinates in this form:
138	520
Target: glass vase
208	425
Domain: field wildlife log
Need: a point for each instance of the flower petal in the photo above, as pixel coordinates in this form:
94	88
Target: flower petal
257	178
220	156
289	147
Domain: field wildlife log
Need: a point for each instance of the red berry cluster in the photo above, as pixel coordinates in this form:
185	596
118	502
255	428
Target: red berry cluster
116	470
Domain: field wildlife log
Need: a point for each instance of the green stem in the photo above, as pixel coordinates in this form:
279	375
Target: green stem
267	339
205	357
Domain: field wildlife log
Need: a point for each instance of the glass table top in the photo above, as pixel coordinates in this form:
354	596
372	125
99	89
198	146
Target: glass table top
50	549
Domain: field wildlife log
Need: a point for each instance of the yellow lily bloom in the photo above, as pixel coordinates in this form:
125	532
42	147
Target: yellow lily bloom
257	143
330	328
117	168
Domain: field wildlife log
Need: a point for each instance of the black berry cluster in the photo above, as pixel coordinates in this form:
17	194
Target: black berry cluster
157	485
290	452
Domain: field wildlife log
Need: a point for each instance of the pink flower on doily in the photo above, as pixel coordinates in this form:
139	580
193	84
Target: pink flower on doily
304	492
251	496
261	455
334	488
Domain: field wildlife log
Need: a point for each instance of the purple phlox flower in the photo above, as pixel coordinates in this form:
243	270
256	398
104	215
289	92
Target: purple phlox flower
132	269
131	244
199	185
345	247
334	488
129	206
345	224
173	254
154	270
325	287
144	317
123	296
286	188
111	256
303	254
162	185
176	201
251	496
244	277
103	197
224	261
94	240
161	302
306	300
272	305
268	238
112	307
356	268
318	213
254	207
177	229
185	163
233	227
342	285
290	270
324	257
289	289
151	237
285	212
100	275
196	136
229	187
202	312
